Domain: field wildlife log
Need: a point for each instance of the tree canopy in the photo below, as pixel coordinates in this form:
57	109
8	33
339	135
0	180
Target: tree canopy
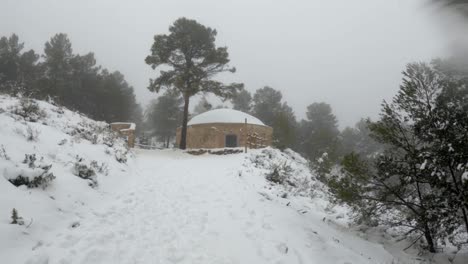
191	60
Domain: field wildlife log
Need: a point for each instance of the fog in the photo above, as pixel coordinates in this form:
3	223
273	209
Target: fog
347	53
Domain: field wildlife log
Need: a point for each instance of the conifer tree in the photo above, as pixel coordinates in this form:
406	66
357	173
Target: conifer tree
191	60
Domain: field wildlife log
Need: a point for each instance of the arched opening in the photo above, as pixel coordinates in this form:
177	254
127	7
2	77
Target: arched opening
231	141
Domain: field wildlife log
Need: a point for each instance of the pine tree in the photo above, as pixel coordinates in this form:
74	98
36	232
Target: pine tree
58	54
192	60
357	139
419	175
319	133
163	115
284	128
18	70
242	101
266	103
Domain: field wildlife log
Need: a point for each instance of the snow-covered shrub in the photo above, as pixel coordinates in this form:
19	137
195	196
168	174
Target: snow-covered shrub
29	173
85	171
121	155
32	134
83	132
15	218
59	110
29	133
103	168
29	110
280	173
3	153
286	169
30	160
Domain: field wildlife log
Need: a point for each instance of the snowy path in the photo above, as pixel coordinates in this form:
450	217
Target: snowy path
196	209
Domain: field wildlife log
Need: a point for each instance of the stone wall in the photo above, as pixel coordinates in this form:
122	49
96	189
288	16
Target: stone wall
213	135
126	130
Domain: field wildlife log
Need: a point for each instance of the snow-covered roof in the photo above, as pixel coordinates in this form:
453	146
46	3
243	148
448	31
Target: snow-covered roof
224	115
131	126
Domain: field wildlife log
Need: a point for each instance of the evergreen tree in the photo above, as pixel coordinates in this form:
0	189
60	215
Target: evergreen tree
319	133
73	80
419	177
10	53
268	107
266	103
357	139
18	70
437	106
284	127
242	101
192	60
58	54
163	115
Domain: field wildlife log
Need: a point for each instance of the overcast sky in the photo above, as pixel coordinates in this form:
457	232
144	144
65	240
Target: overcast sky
349	53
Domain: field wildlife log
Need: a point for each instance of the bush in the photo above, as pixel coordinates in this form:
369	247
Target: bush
280	173
32	134
84	171
15	218
34	176
29	110
121	155
100	168
3	153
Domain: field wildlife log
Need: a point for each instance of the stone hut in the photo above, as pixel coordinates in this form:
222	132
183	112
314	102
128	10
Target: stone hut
126	130
226	128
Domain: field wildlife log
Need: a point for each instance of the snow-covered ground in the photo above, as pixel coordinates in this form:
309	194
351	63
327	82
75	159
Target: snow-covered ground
165	206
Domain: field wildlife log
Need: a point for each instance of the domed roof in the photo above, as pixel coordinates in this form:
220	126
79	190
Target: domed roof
224	115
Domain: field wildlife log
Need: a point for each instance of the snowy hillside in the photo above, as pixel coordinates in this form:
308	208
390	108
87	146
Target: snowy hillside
50	150
95	203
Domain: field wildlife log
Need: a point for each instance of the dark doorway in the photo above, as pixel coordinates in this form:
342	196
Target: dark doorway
231	141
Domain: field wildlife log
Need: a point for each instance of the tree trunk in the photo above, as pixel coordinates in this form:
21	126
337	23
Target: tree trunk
183	134
459	194
429	240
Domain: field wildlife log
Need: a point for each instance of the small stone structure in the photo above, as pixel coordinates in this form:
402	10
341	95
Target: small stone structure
126	130
226	128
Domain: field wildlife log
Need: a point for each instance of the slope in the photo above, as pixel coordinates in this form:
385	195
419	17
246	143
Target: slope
198	209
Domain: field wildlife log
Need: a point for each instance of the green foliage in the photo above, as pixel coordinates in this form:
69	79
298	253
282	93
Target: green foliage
357	139
266	104
85	171
279	173
71	80
418	177
42	175
348	186
15	218
242	101
164	115
191	60
284	128
29	110
17	69
319	133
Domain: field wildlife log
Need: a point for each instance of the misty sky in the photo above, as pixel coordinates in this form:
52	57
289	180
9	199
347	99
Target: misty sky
347	53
